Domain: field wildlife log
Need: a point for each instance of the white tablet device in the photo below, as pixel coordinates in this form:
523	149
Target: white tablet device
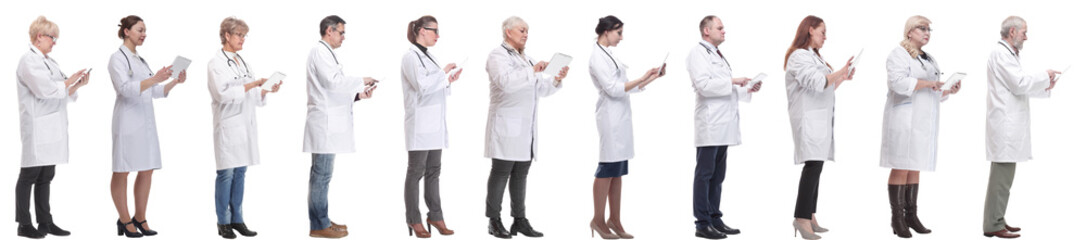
855	60
1062	73
556	64
757	79
180	64
459	67
952	80
275	78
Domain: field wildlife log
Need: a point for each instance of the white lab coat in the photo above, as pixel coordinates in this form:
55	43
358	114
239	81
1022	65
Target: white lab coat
329	123
910	121
810	106
425	86
233	111
613	114
43	110
135	135
716	110
515	90
1009	90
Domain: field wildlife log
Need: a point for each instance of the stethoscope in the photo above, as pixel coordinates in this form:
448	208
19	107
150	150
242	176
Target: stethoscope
929	59
608	55
237	72
330	50
149	72
44	61
511	53
1008	49
427	56
711	53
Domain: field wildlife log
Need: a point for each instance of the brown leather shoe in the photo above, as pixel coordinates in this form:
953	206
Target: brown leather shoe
330	232
337	226
441	228
1003	233
417	230
1012	229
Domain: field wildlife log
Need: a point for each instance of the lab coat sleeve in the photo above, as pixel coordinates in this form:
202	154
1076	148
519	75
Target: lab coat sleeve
506	75
331	77
897	73
222	90
807	72
1016	79
257	94
546	86
603	71
36	76
700	69
158	91
118	73
419	78
743	92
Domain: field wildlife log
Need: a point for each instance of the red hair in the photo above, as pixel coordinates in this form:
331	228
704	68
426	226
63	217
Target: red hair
803	36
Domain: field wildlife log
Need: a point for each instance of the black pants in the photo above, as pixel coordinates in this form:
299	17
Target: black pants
40	177
501	172
708	177
807	199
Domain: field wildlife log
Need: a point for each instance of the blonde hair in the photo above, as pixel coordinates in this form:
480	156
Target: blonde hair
43	26
913	23
232	25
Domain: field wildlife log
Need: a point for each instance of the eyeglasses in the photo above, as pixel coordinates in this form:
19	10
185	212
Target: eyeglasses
924	28
51	36
431	29
242	35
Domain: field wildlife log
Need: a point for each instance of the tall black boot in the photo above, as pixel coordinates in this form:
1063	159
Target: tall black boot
521	225
897	211
910	209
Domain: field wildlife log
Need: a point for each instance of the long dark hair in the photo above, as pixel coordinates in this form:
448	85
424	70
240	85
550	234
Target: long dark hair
414	27
803	36
127	23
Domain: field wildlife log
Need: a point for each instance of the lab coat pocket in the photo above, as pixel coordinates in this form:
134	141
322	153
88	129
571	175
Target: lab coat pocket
50	128
339	123
132	120
900	126
507	126
428	119
816	127
233	133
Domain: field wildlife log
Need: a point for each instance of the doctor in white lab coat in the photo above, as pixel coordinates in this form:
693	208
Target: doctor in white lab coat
516	84
425	86
716	124
329	123
1008	134
910	122
614	122
235	94
135	135
44	92
810	83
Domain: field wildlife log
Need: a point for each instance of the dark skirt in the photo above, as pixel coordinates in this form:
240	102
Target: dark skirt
613	169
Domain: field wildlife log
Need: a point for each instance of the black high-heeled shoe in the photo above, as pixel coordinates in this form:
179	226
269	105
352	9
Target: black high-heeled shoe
122	231
139	226
243	230
227	232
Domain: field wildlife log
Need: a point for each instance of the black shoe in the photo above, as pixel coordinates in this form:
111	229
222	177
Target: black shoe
50	228
226	231
139	226
723	228
243	230
709	232
122	231
521	225
497	229
30	232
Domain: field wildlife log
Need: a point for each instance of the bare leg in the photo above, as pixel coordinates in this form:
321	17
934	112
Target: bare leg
142	190
118	187
900	177
913	177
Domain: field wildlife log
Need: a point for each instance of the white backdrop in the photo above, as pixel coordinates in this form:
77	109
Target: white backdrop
366	191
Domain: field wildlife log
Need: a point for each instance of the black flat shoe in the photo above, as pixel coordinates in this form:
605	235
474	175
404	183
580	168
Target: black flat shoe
50	228
226	231
497	229
723	228
243	230
709	232
521	225
139	226
29	231
122	231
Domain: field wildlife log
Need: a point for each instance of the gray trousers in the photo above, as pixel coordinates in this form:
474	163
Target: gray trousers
516	174
423	163
999	190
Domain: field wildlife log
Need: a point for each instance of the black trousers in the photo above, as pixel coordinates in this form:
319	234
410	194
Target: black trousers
807	199
514	173
40	177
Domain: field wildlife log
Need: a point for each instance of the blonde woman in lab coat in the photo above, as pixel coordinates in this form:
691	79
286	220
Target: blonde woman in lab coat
44	92
1008	126
810	84
614	123
135	135
516	85
425	86
910	123
235	94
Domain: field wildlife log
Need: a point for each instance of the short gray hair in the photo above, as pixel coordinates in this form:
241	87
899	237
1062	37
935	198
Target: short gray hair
232	25
513	22
1015	22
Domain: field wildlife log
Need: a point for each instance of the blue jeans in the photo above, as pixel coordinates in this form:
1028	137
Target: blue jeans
229	190
320	174
708	177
